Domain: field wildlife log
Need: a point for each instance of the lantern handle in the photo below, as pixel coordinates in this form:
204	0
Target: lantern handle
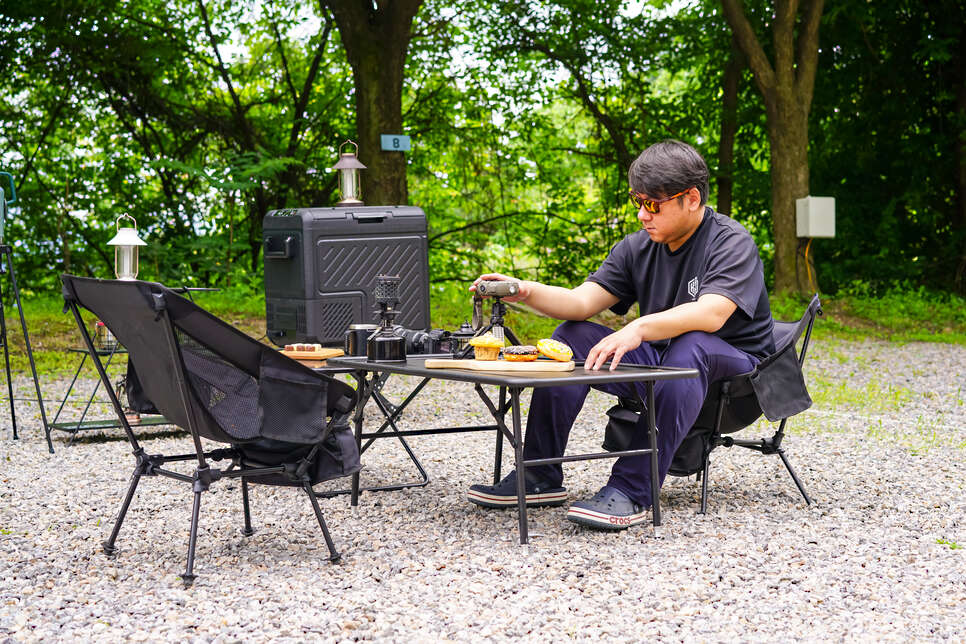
118	222
356	145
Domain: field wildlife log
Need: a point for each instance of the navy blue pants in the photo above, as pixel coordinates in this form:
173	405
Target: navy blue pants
677	403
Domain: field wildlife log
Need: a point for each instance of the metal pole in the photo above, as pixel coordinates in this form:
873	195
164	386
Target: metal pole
520	465
652	432
26	338
6	357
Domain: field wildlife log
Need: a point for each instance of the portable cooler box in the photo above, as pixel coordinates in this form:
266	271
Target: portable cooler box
321	266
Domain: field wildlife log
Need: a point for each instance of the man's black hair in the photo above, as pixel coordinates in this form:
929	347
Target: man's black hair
667	168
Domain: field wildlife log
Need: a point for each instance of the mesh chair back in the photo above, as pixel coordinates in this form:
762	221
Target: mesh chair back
786	334
203	374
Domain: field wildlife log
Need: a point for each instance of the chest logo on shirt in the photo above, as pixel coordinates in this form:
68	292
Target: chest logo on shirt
693	287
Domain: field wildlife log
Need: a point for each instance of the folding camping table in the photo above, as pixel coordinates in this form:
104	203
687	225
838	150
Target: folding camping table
512	384
82	423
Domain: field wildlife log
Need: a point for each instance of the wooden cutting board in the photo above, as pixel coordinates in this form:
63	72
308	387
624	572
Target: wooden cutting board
500	365
314	355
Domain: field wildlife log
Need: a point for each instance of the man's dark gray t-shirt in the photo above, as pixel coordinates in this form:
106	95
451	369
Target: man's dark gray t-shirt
720	257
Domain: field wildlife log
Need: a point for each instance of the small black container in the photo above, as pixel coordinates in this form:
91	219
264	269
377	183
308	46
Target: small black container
355	338
386	347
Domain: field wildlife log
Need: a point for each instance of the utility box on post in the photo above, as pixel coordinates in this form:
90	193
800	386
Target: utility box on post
815	217
321	266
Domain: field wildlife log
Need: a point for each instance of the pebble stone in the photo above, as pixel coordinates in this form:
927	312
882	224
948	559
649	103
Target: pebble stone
879	556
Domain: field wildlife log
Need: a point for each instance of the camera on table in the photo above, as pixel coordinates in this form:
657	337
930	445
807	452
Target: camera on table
388	342
423	342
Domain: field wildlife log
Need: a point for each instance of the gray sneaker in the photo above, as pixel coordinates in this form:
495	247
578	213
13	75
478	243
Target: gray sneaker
504	494
609	509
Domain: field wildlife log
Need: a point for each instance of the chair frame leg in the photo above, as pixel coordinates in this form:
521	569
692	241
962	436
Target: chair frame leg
334	555
189	577
791	470
704	485
247	530
108	545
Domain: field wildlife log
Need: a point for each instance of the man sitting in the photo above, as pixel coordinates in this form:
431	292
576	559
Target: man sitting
699	284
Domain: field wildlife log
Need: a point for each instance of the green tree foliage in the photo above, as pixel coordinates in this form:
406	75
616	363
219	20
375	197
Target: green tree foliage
194	117
558	99
199	116
888	137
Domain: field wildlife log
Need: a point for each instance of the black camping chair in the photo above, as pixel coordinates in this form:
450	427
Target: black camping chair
776	388
285	424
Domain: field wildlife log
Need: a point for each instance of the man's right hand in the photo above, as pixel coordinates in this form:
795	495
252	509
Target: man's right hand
525	289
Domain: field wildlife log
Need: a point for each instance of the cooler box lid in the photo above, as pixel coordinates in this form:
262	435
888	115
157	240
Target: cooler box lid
350	220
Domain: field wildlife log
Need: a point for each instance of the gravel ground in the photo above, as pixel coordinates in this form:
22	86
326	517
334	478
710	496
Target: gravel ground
880	555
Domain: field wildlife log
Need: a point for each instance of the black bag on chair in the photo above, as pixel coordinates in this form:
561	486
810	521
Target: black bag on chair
136	399
622	420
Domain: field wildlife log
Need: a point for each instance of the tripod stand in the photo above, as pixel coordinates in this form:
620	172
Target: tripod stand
6	267
497	312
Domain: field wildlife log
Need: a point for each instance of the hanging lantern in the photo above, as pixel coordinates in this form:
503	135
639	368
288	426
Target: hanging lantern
125	244
464	334
348	166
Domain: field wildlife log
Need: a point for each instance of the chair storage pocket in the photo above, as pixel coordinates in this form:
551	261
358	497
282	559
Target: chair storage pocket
136	398
780	387
292	405
339	456
621	428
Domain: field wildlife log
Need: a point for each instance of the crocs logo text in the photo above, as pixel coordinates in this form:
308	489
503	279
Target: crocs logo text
620	520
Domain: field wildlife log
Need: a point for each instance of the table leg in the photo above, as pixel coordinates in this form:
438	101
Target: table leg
652	433
90	401
70	388
498	460
520	465
364	391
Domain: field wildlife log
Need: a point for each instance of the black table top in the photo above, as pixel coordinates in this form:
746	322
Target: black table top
414	366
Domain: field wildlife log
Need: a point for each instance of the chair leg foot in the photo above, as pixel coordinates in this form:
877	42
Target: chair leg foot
108	545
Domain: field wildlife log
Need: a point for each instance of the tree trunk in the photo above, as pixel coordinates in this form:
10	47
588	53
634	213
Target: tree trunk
786	84
729	128
376	37
960	279
788	137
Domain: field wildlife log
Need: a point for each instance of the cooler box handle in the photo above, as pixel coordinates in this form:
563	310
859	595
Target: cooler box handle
369	217
278	248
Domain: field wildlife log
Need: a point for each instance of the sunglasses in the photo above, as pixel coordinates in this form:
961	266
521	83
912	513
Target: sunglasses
652	206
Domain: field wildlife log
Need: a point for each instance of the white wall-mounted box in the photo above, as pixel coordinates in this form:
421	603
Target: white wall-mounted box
815	216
